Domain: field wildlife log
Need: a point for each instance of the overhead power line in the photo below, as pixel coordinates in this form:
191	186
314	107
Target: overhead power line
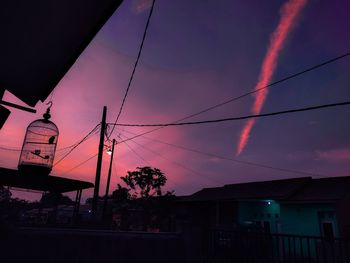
9	149
144	160
77	144
322	64
74	144
6	148
228	119
80	164
345	103
134	69
270	85
176	163
232	159
136	153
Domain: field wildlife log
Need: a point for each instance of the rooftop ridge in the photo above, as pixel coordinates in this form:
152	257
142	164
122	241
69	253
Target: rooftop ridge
270	181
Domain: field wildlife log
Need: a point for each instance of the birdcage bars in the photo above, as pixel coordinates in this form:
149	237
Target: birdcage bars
39	146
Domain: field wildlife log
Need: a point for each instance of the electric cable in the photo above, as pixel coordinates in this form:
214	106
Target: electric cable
77	144
80	164
83	162
134	68
235	160
316	107
143	159
176	163
322	64
4	148
139	156
74	144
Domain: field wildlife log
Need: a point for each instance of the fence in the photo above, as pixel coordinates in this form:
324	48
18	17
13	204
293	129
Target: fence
225	246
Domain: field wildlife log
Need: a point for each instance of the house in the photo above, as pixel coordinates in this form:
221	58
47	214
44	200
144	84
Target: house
298	206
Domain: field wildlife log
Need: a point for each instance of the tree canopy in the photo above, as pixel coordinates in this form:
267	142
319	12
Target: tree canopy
145	181
121	194
5	194
52	199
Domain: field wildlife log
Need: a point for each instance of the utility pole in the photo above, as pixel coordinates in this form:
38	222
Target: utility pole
108	180
99	165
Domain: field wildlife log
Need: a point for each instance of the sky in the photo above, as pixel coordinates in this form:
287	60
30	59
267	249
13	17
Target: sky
196	54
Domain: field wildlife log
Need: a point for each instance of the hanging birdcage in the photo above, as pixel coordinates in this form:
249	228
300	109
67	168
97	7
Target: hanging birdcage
39	146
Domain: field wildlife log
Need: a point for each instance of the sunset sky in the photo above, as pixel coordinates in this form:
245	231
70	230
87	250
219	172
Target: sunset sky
196	54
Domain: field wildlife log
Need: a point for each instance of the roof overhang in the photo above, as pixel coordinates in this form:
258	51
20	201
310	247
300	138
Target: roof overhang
41	40
12	178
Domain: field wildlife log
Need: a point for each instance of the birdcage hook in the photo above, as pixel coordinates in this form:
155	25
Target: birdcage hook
51	103
47	115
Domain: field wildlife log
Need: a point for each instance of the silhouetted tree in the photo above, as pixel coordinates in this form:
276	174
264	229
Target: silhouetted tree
121	194
10	208
146	181
90	199
51	199
141	204
5	194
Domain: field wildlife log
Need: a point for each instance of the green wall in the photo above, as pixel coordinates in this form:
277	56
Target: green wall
304	219
259	211
295	219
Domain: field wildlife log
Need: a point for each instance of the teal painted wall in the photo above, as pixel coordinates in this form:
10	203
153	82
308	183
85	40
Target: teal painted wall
295	219
259	211
304	219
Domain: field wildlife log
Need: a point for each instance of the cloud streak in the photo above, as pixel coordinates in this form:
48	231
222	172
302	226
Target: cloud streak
289	14
141	6
335	155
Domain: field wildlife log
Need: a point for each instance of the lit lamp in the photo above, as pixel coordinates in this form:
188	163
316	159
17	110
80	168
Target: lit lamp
109	151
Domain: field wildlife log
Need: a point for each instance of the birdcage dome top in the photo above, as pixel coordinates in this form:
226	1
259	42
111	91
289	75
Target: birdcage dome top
43	123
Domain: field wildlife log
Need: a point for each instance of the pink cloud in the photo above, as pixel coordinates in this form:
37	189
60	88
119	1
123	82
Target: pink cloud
99	78
335	155
141	6
289	13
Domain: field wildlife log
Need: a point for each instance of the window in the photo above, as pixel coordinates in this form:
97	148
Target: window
267	227
327	223
327	230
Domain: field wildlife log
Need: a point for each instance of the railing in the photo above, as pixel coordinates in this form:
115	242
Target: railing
225	246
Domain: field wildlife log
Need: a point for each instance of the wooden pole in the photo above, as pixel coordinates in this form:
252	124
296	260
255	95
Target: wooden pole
99	165
108	181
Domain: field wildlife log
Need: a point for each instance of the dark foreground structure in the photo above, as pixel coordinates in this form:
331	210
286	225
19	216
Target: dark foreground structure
72	246
298	220
215	246
41	40
52	184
